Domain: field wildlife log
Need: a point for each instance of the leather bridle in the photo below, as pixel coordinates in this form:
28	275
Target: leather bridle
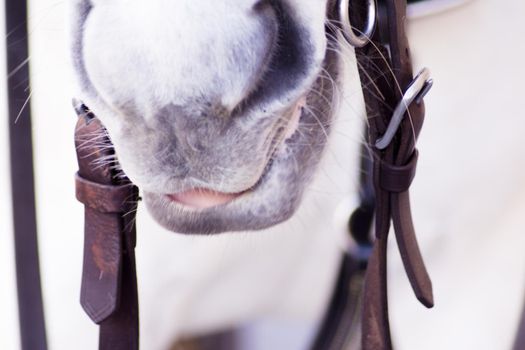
109	284
395	117
390	92
395	114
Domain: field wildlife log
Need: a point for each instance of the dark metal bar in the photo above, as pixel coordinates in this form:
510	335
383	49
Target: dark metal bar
30	306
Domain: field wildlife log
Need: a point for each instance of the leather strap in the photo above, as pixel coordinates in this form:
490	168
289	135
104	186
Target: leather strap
29	293
110	199
386	175
109	285
386	72
397	178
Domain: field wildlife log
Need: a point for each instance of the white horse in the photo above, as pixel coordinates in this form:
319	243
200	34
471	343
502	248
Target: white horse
220	114
198	97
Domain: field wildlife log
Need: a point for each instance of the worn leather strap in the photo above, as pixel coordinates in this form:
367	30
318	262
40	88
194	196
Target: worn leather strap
109	286
103	198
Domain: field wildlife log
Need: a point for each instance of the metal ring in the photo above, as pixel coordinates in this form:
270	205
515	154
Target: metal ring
417	89
363	38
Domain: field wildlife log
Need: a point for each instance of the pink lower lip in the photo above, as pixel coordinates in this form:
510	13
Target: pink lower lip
200	198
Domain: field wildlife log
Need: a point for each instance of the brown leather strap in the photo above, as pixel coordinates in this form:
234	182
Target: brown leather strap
385	179
103	198
397	178
109	286
375	325
386	72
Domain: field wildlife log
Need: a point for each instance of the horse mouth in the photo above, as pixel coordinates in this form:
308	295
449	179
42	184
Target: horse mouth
205	198
200	198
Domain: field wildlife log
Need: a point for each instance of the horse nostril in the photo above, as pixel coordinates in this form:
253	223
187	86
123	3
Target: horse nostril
288	60
249	55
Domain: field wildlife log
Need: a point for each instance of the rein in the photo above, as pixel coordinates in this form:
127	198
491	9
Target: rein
394	164
395	114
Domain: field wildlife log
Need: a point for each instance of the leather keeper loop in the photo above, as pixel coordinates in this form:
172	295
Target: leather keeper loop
103	198
398	179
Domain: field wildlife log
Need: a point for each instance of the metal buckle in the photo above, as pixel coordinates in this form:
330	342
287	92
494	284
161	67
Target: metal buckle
417	89
348	31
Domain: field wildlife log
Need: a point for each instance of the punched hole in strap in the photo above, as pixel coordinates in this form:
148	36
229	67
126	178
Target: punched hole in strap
394	178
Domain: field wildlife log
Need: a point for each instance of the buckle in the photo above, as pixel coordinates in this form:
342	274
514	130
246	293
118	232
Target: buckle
416	91
348	30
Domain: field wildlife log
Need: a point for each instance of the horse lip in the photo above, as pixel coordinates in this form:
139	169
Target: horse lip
201	198
204	198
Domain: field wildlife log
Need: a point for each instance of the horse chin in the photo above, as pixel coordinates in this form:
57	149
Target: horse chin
260	207
272	200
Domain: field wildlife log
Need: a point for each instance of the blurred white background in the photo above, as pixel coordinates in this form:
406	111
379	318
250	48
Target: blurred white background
469	195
